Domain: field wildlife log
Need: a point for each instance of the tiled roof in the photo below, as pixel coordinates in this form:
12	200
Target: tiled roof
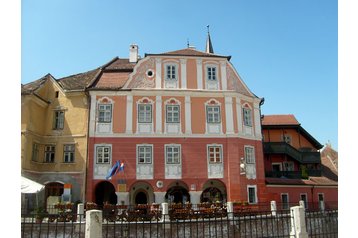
78	81
288	119
190	52
120	64
32	86
109	80
331	155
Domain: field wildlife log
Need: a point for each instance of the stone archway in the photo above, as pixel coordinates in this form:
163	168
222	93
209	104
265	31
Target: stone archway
177	193
105	192
141	193
213	191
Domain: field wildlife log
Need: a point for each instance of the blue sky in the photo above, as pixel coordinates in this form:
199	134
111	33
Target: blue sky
285	50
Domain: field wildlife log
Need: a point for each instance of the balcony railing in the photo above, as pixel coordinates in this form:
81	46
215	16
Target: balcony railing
292	174
284	148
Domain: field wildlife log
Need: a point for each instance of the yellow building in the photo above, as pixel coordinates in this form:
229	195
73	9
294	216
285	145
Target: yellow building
54	125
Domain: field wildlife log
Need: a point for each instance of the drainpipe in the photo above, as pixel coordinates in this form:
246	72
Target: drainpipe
87	148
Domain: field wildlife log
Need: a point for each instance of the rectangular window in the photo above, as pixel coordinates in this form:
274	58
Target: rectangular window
303	197
105	113
49	154
172	154
59	118
284	201
213	114
173	115
288	166
215	154
251	193
247	117
144	154
103	154
35	152
249	155
144	113
211	73
69	153
287	139
171	72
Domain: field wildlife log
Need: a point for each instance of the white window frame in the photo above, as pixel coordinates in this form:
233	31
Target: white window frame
214	115
69	153
50	153
209	73
167	154
169	111
103	160
255	194
59	119
285	205
169	73
146	159
249	154
247	116
106	110
215	153
145	113
276	163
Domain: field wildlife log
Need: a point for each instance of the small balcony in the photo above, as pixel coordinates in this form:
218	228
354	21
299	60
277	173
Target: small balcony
303	157
292	174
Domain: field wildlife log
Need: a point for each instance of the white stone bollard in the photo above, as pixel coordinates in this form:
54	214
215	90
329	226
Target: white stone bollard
165	215
80	212
302	204
93	224
298	222
273	208
230	209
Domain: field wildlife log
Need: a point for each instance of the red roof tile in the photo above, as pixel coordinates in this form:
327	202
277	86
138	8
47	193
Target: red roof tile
279	120
112	80
191	52
120	64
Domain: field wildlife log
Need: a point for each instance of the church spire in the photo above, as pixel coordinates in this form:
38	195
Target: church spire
209	46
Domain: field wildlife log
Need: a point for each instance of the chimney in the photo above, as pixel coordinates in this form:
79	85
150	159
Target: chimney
133	53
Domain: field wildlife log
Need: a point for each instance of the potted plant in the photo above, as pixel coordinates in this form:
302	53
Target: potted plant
39	214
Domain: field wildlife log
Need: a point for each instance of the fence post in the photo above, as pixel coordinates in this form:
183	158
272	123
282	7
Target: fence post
321	205
298	222
80	211
230	209
165	215
93	224
302	204
273	208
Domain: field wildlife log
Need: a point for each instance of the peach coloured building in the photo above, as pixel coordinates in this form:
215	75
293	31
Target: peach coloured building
183	123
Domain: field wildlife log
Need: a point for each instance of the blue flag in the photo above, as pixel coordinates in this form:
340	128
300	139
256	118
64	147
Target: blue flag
113	171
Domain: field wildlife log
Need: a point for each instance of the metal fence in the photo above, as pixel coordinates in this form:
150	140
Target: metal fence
181	221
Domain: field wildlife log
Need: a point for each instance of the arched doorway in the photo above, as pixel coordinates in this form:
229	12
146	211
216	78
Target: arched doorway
141	193
105	192
177	193
141	198
213	191
53	189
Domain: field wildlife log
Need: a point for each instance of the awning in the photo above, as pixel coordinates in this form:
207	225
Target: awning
29	186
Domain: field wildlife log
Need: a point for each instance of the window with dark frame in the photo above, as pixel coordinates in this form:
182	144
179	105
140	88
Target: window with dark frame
59	118
35	152
69	153
284	201
49	154
252	195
